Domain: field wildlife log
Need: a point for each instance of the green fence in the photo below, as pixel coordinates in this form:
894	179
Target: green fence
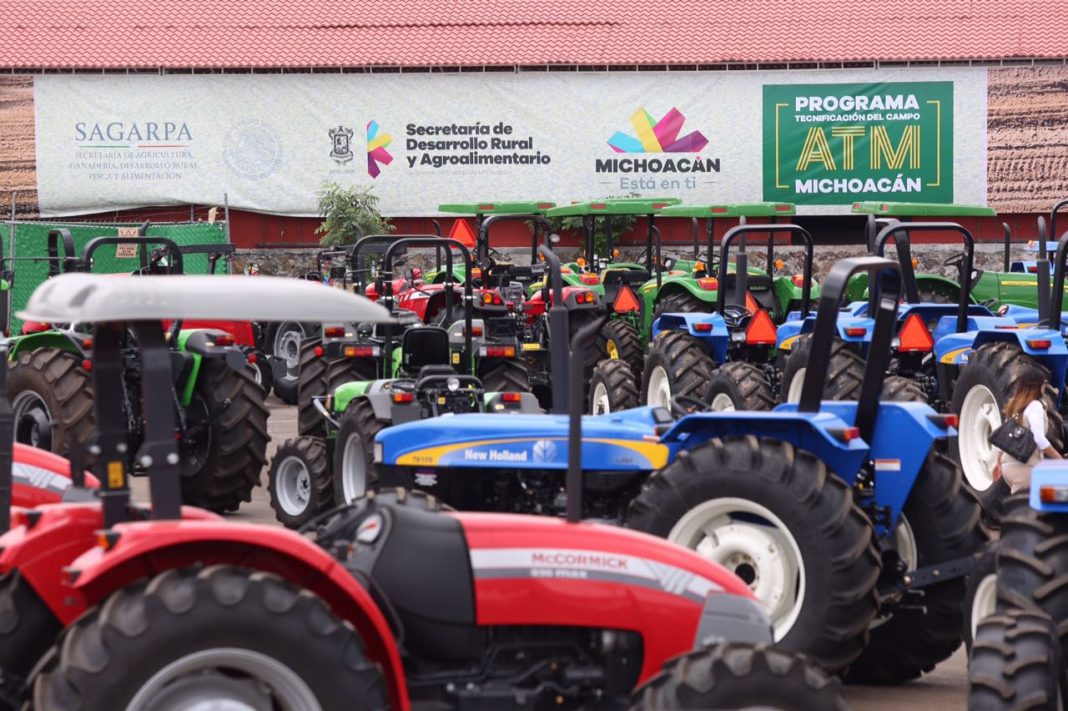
30	258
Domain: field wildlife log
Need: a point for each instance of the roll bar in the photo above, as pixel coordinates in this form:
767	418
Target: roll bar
482	244
741	272
560	358
70	256
168	245
885	279
1057	302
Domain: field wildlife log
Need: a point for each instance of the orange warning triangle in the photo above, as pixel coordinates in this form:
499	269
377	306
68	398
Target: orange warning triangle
761	329
750	303
914	336
626	301
463	233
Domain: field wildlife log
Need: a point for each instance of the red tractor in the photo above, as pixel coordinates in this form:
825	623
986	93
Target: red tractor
393	603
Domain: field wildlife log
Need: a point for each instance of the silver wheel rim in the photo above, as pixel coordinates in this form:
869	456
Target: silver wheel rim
24	405
904	542
796	385
224	679
985	601
287	344
599	400
722	403
353	469
659	388
764	555
293	485
979	416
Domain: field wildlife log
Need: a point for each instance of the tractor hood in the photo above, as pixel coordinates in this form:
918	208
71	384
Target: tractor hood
624	441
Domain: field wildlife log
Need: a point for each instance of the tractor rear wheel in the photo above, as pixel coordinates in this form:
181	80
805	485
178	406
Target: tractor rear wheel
354	463
27	630
225	446
613	388
793	371
320	376
618	339
739	386
221	633
1015	663
776	517
980	394
676	365
299	481
502	375
939	523
680	302
52	400
731	675
1032	564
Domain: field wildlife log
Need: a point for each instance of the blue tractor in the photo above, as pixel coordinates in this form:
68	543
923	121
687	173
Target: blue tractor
843	517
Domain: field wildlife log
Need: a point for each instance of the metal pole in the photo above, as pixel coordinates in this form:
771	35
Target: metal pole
226	215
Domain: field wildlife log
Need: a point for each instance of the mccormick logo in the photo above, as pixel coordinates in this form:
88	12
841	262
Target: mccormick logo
376	149
653	136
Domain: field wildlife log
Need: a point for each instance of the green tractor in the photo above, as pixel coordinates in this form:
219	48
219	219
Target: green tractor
993	289
690	286
222	419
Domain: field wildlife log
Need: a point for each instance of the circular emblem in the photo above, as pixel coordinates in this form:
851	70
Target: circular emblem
252	149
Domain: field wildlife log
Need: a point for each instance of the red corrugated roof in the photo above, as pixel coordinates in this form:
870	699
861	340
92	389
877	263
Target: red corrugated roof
150	34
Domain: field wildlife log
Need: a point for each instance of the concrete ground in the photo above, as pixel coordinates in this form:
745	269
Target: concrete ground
945	688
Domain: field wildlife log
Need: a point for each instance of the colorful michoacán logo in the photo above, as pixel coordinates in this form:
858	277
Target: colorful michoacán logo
376	149
652	136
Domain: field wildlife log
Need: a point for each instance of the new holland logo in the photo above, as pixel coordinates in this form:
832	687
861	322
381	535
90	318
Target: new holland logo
544	450
657	136
376	149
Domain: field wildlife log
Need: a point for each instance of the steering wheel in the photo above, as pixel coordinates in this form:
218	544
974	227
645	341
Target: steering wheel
957	260
734	314
682	405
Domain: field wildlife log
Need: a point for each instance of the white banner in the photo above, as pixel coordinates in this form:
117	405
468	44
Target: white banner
269	142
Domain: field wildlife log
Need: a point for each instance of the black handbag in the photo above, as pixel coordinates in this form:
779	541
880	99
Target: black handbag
1014	439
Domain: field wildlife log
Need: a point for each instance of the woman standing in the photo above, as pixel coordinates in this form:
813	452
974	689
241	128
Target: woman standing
1027	408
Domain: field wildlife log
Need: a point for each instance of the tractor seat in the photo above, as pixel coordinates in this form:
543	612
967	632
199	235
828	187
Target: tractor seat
425	345
630	277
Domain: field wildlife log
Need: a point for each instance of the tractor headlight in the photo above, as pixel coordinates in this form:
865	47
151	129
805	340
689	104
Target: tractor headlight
378	453
453	384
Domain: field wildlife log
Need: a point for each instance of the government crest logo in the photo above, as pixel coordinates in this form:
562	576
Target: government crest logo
342	140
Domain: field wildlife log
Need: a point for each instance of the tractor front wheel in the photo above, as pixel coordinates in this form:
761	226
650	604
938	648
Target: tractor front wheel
27	630
734	676
299	481
1015	663
354	464
776	517
221	633
740	386
612	388
676	365
620	340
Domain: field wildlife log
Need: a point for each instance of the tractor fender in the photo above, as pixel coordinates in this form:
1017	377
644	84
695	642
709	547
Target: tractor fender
716	339
689	285
939	284
1049	474
60	340
382	404
956	348
144	549
40	477
810	431
847	326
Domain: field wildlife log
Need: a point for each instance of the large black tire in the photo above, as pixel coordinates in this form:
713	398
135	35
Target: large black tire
794	366
832	535
980	592
680	302
501	375
944	518
612	388
237	441
676	360
299	481
320	376
1015	664
993	371
1032	563
735	676
27	630
740	386
286	390
845	371
58	380
619	339
354	452
110	653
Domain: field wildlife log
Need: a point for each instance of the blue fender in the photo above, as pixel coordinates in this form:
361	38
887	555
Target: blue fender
623	441
955	349
1050	474
788	333
715	340
804	430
